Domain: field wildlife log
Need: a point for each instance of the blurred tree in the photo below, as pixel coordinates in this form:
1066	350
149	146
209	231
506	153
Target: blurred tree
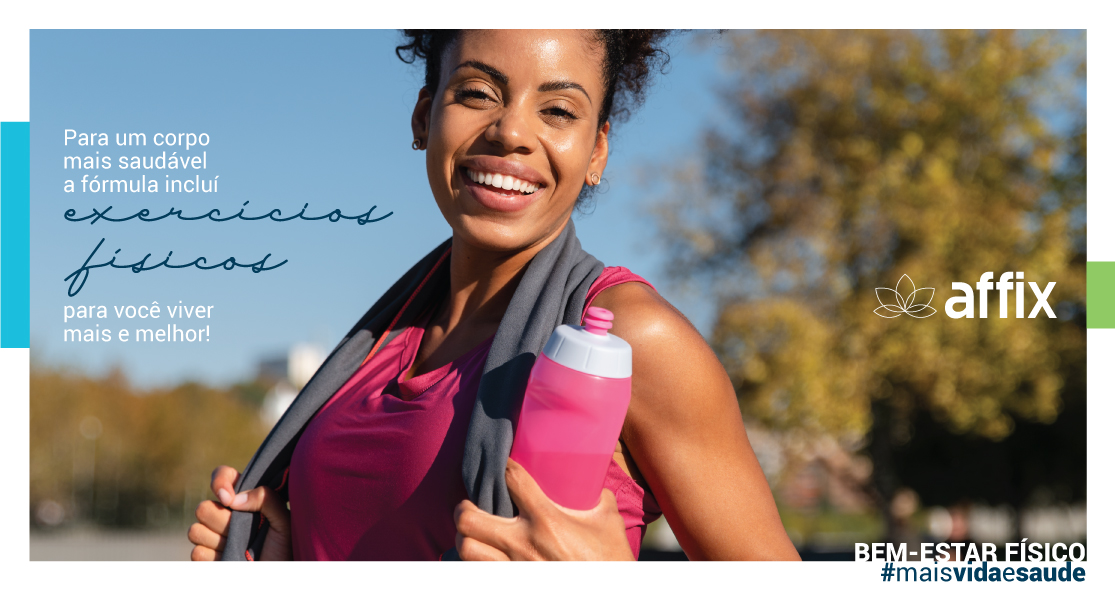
103	452
849	159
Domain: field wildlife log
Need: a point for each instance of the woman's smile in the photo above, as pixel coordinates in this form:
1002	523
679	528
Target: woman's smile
499	181
501	185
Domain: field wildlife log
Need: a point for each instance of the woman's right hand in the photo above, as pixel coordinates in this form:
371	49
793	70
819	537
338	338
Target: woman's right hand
210	531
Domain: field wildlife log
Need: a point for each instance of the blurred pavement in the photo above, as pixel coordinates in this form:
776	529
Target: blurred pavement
100	545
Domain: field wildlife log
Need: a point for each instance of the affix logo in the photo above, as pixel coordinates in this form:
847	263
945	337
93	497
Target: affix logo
892	303
906	299
1005	285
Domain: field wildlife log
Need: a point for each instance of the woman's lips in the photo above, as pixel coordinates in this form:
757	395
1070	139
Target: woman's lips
498	199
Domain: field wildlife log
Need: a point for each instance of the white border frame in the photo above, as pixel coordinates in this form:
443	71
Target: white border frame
14	363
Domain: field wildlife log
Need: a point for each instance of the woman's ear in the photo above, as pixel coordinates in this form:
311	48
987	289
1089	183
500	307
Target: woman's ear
599	159
420	119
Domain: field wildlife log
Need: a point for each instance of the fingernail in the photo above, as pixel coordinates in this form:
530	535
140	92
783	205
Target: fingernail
224	497
240	499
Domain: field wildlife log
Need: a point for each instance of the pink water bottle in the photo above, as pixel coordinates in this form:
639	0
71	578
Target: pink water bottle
575	403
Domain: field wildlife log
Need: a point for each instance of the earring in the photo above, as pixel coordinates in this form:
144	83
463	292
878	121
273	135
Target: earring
417	145
595	179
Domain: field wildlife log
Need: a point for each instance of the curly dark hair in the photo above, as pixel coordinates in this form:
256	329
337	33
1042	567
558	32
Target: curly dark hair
631	56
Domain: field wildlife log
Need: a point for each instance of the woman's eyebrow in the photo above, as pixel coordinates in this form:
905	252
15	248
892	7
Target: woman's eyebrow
564	85
483	67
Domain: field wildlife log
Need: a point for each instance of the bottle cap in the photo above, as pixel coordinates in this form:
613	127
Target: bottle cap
598	320
590	348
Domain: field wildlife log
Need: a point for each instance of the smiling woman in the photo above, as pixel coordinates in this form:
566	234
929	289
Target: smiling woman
534	104
398	447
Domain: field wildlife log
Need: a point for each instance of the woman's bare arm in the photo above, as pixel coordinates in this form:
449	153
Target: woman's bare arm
686	436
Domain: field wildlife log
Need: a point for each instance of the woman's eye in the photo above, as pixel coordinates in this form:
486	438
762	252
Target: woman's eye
560	113
472	94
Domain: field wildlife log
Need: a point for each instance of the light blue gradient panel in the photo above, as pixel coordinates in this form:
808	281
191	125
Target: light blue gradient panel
294	117
15	238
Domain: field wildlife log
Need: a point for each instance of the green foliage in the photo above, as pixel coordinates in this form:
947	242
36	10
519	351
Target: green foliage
853	158
114	455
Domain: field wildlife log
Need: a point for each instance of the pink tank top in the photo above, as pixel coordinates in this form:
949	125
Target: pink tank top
377	472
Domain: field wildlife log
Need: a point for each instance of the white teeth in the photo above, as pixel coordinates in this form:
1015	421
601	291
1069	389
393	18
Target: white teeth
502	181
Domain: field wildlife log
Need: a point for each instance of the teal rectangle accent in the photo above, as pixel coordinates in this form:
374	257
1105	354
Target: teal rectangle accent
15	235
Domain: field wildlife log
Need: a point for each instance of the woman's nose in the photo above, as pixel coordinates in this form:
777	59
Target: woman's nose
511	131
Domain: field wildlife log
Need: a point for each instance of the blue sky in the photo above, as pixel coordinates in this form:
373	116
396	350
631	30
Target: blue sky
318	117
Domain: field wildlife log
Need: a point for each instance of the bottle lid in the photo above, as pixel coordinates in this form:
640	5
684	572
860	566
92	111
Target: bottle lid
590	348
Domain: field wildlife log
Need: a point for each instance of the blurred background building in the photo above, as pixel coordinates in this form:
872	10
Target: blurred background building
286	376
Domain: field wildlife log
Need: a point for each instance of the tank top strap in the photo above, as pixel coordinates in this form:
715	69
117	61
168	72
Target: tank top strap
610	277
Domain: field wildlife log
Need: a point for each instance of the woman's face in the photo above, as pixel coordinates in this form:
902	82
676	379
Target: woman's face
512	133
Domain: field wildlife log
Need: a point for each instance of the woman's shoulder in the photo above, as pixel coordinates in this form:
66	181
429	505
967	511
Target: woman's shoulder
643	315
677	380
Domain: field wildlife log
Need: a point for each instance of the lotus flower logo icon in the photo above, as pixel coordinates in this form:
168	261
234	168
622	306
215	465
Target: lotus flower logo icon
892	302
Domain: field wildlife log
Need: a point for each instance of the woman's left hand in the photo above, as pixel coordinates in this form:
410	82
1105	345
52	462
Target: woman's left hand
542	530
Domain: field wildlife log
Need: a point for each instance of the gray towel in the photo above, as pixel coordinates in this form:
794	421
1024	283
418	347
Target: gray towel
552	292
